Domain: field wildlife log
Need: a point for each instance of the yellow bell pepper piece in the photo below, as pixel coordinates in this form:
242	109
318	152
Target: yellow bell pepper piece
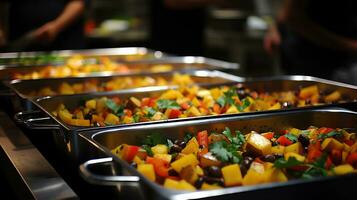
184	161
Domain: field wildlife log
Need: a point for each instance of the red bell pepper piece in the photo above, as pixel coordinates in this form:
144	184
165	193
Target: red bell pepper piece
185	106
268	135
324	130
161	167
349	142
202	138
352	159
282	140
116	100
129	152
174	113
313	154
217	108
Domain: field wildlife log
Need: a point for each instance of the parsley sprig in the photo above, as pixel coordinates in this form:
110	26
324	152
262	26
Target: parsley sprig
227	99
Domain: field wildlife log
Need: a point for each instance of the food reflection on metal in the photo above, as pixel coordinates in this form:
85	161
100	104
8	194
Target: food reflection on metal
209	159
186	102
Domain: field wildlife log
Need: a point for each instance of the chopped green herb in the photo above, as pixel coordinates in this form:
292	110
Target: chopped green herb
136	118
333	133
154	139
291	137
237	141
291	162
166	104
245	104
187	137
169	143
225	152
148	150
150	112
117	110
221	101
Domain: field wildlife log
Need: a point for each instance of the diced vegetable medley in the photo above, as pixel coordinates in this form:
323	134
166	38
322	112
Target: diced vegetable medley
119	83
212	160
188	102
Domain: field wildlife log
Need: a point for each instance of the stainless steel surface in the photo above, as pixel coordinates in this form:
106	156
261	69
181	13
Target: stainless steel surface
111	138
118	53
138	67
106	180
201	77
27	171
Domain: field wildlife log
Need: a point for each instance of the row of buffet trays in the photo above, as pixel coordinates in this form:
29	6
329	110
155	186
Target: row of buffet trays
114	99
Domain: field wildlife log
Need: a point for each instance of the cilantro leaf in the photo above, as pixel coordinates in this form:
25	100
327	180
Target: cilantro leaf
166	104
221	101
245	104
118	110
330	134
154	139
225	152
291	137
136	118
148	150
187	137
291	162
169	143
237	141
150	112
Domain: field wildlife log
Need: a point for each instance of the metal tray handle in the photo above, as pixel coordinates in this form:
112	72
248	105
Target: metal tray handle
26	119
91	177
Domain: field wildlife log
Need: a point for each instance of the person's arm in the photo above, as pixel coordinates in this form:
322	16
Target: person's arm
71	12
297	19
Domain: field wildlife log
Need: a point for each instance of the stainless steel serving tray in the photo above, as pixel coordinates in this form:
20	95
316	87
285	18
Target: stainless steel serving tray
68	137
139	67
302	119
282	83
23	88
57	57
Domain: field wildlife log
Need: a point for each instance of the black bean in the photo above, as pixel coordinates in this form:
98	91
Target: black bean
243	169
199	182
278	155
268	158
308	101
180	143
304	140
247	161
175	149
214	171
172	172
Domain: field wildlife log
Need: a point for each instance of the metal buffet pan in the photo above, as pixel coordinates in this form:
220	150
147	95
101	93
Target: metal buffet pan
67	137
111	138
57	57
25	88
164	64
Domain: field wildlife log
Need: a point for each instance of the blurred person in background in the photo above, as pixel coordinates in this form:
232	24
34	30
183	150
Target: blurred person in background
45	25
177	26
316	37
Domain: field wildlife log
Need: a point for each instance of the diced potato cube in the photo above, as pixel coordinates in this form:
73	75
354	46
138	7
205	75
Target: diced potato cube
184	161
343	169
171	184
274	175
184	185
189	174
208	159
147	170
111	119
330	143
254	174
296	148
309	91
160	149
258	144
334	96
91	104
278	149
191	147
295	155
232	175
166	157
206	186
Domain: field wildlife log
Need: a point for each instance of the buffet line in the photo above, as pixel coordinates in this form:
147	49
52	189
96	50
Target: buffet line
184	127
